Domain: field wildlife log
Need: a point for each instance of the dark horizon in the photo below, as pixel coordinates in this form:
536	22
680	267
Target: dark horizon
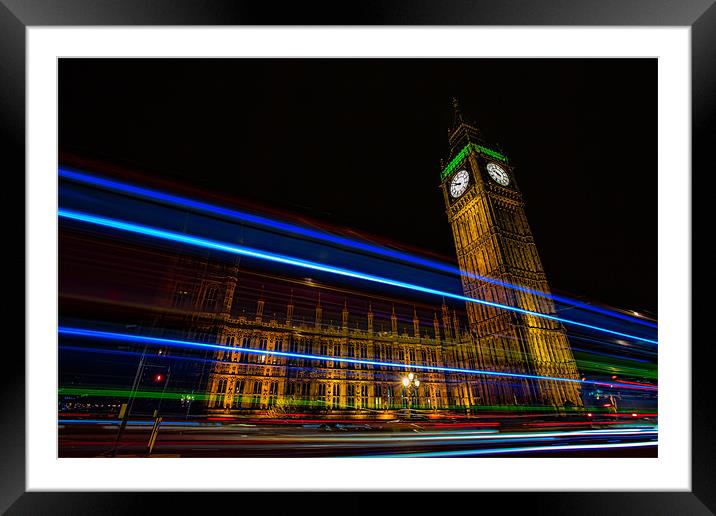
358	143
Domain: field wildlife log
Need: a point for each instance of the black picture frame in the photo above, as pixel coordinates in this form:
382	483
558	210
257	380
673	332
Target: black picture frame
17	15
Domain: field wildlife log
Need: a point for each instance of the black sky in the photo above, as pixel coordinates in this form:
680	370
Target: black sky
359	142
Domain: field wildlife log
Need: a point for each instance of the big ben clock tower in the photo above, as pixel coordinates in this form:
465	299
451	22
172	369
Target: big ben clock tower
499	263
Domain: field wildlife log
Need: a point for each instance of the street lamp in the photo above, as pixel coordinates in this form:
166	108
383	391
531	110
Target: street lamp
411	384
186	400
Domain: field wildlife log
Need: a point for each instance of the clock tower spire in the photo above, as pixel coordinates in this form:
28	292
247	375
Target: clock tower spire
457	114
463	131
499	262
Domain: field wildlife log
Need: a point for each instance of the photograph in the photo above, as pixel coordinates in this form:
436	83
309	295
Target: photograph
357	257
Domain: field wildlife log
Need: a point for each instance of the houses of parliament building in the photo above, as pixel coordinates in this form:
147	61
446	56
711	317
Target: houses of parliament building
366	371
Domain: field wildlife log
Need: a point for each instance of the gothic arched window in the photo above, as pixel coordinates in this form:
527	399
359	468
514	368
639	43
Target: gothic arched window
182	296
210	298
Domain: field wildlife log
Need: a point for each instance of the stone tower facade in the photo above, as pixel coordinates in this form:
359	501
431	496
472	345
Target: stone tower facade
500	264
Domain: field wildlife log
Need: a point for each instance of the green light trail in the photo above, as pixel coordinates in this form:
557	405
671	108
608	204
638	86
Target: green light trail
126	393
616	366
287	403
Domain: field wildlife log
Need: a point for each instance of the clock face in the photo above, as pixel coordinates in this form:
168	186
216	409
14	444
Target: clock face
498	174
459	183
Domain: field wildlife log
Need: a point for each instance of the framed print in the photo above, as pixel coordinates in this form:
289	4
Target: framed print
437	252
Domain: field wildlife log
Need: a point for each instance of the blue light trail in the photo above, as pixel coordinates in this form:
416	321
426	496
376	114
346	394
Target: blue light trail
562	447
319	235
96	334
287	260
350	374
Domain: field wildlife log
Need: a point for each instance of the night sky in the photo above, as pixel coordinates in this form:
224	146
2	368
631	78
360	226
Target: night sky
358	143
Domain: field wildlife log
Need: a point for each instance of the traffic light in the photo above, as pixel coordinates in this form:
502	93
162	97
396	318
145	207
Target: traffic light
158	377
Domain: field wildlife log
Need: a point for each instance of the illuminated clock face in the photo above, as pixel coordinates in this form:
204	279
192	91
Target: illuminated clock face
498	174
459	183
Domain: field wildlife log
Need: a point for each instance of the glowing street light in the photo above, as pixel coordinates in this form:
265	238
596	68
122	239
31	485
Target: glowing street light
410	388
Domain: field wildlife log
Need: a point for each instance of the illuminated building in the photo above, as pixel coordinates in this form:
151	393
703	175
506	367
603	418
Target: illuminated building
493	242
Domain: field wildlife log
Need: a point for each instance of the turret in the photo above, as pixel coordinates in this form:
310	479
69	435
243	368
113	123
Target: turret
447	330
319	312
394	322
344	323
260	306
289	311
416	323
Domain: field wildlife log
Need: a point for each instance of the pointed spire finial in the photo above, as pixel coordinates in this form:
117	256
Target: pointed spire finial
260	306
463	130
319	313
457	112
